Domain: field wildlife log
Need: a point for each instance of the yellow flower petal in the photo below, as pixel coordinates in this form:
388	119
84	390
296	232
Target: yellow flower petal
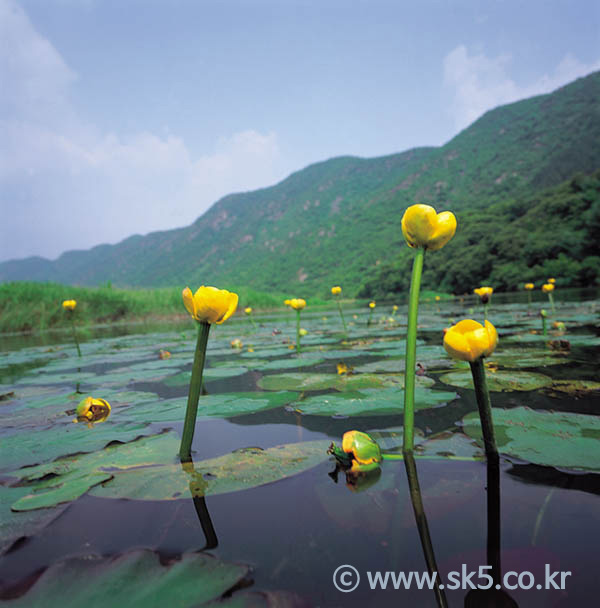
444	230
468	340
188	301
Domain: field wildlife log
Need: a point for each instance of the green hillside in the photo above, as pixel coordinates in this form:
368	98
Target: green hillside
339	221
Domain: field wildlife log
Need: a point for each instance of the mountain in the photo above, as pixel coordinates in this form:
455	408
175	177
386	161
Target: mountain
338	221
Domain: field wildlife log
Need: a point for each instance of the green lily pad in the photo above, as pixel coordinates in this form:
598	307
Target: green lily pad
224	405
532	358
575	387
148	469
292	363
62	378
136	580
30	447
239	470
371	402
558	439
454	446
500	380
319	382
210	373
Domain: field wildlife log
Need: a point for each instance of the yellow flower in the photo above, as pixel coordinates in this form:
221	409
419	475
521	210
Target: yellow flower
395	307
297	303
372	304
529	286
248	310
69	304
236	343
336	291
469	340
209	304
302	331
92	410
552	281
423	227
547	287
437	298
482	292
164	354
287	302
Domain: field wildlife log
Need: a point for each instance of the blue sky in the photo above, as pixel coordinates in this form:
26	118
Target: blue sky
127	116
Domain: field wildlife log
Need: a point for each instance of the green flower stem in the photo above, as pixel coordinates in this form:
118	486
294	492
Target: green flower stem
370	317
75	334
551	298
298	331
528	301
411	352
189	425
543	315
485	309
342	316
252	321
485	407
423	527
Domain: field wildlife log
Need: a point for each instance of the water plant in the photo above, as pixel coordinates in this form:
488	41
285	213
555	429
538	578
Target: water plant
470	341
372	306
336	291
529	288
423	229
208	305
69	307
549	288
485	294
248	313
90	410
297	304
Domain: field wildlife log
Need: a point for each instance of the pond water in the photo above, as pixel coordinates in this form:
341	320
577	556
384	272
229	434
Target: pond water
104	514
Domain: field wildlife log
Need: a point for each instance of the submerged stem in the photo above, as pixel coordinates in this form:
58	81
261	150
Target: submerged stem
75	335
189	425
411	351
298	331
342	316
485	407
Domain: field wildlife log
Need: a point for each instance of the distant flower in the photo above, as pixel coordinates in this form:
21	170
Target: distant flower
484	293
468	340
437	298
529	286
209	304
342	369
303	331
69	304
552	281
423	227
372	304
364	451
236	343
287	302
395	307
164	354
297	303
336	291
92	410
547	287
248	310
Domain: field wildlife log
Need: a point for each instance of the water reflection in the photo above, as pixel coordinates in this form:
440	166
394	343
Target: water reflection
198	487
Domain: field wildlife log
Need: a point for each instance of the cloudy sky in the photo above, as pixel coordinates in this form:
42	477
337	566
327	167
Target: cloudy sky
122	117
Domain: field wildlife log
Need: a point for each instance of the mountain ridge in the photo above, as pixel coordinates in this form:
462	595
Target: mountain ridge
337	220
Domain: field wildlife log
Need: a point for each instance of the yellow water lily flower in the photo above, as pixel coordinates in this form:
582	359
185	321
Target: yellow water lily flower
92	410
336	291
248	310
547	287
437	298
209	304
69	304
552	281
372	304
395	307
303	331
484	292
468	340
287	302
529	286
164	354
423	227
297	303
236	343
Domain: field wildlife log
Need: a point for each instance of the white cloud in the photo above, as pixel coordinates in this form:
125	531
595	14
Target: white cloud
479	83
64	185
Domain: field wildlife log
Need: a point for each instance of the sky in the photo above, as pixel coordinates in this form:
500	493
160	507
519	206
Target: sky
121	117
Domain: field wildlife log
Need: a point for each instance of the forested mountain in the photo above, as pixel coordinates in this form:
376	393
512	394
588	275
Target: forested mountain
519	180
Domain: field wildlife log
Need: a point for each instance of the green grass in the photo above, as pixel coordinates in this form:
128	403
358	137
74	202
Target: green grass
31	306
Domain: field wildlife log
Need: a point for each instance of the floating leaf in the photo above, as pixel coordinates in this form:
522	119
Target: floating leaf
500	380
136	580
223	405
292	363
371	402
210	373
578	388
559	439
318	382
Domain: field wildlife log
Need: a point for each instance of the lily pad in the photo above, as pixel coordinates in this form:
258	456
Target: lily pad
292	363
500	380
319	382
577	388
559	439
371	402
136	579
224	405
148	469
210	373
